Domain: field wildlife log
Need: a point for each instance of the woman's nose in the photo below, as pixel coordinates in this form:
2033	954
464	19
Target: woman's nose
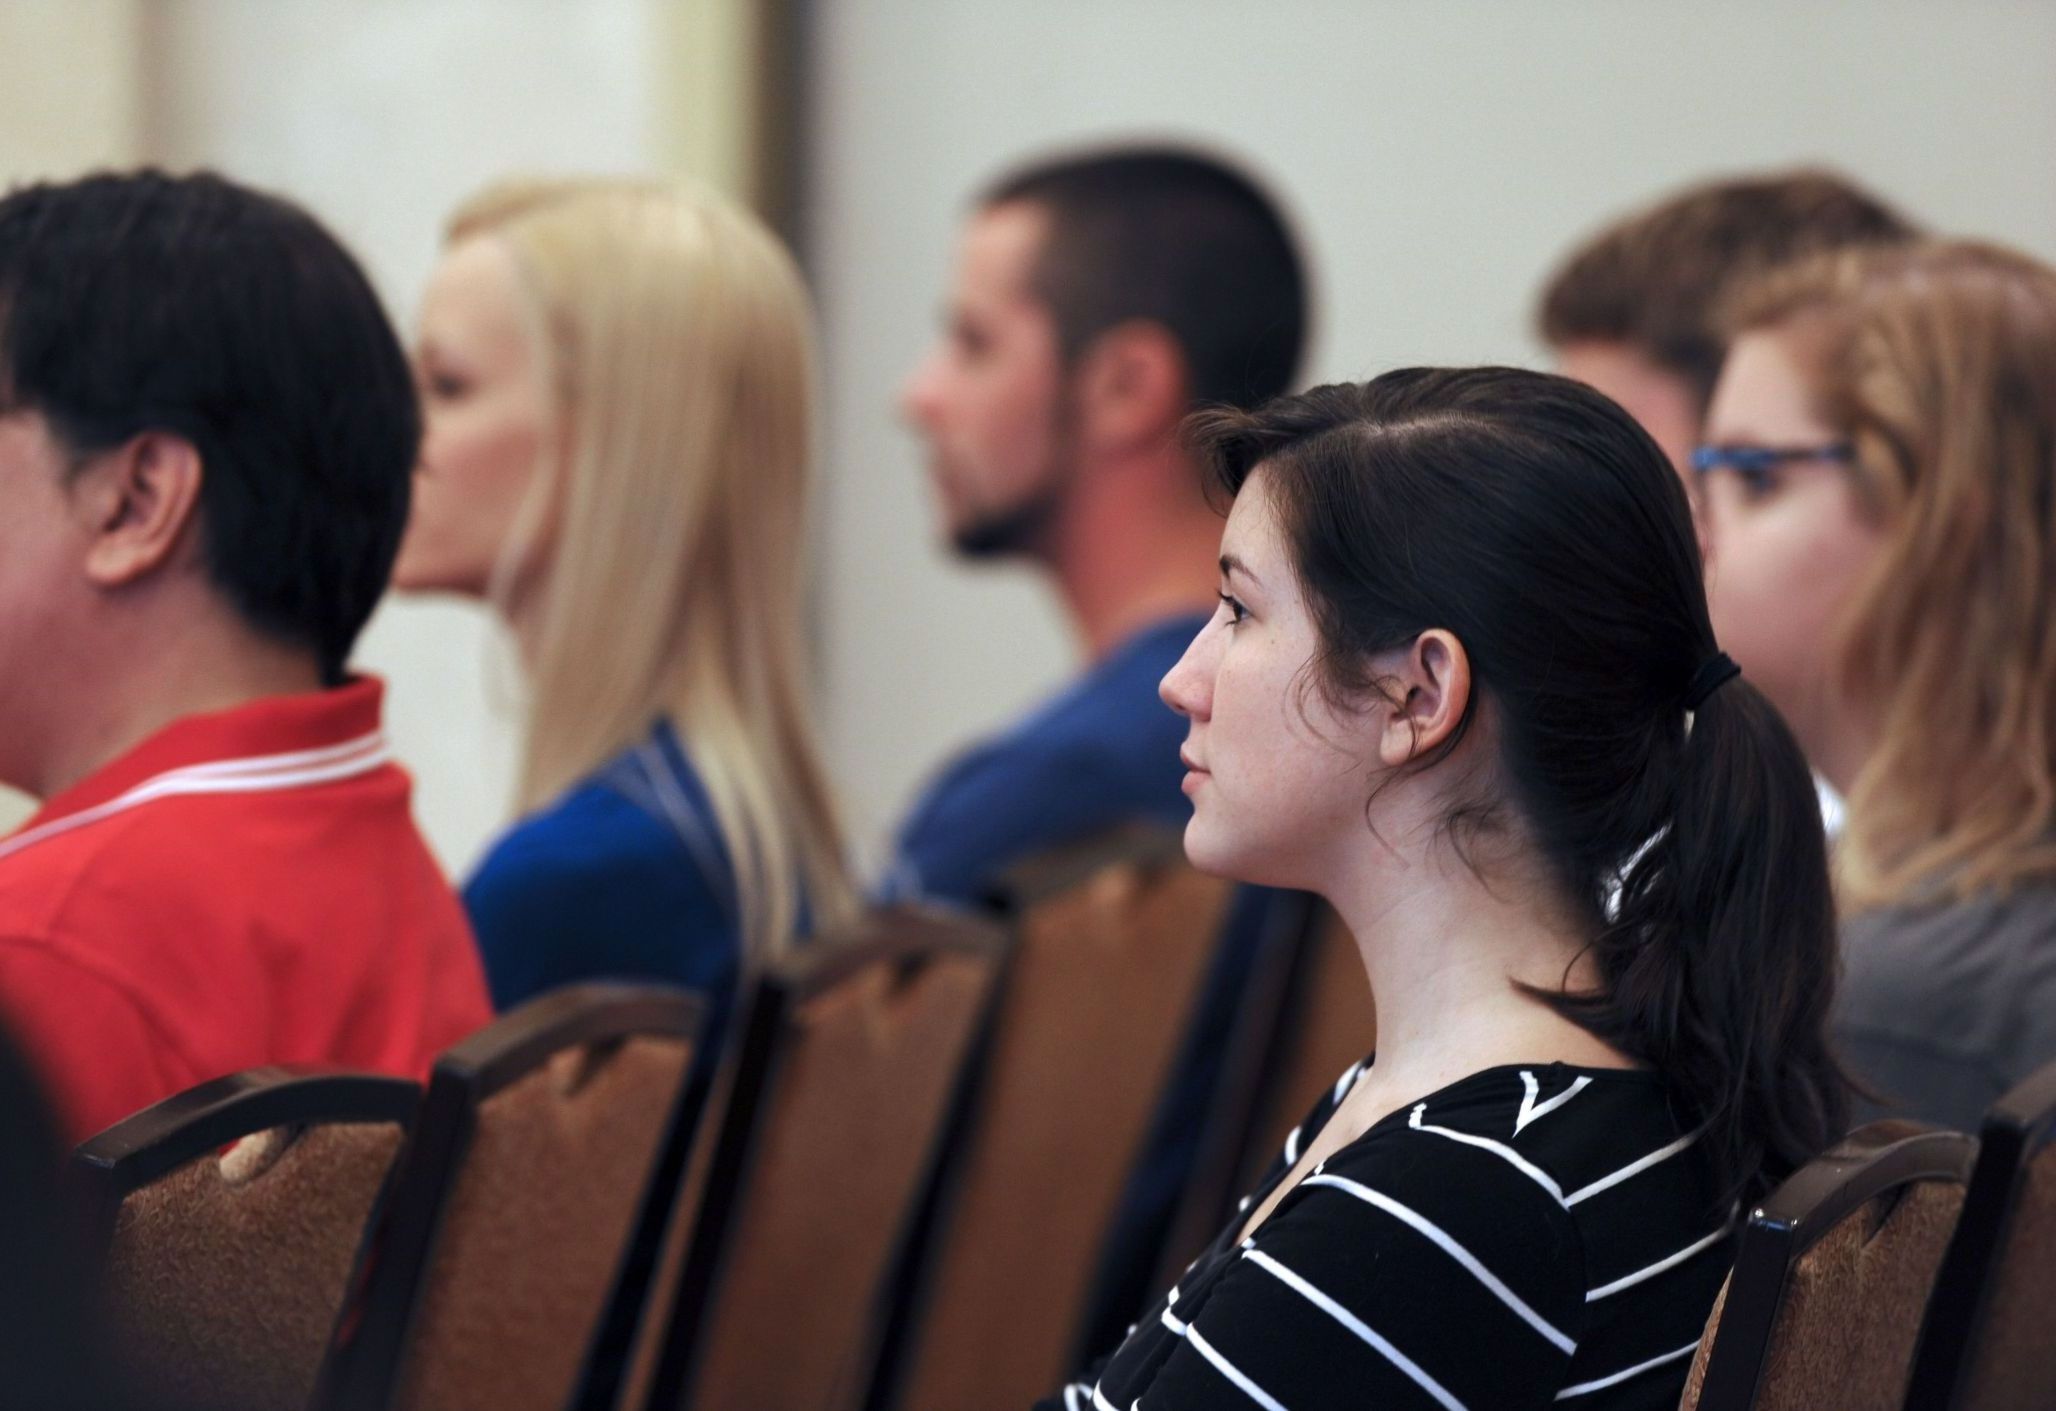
1187	687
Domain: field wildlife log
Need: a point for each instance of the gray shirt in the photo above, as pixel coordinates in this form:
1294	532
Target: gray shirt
1944	1006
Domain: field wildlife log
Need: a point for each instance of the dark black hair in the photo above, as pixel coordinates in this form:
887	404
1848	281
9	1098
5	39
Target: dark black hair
1178	238
1534	519
189	305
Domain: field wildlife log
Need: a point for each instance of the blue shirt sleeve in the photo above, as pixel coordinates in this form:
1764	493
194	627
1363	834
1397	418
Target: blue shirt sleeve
1101	754
1006	802
594	888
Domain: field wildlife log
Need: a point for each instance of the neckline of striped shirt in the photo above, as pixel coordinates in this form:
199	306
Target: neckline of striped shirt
1532	1108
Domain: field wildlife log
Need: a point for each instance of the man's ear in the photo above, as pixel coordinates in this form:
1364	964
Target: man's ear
1131	386
1430	687
139	503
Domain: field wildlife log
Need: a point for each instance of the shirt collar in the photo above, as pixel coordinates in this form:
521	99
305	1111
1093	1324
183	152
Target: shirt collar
273	725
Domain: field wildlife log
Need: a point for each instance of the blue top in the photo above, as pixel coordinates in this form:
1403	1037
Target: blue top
624	876
1102	753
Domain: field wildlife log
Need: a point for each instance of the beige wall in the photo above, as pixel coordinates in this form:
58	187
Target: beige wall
71	92
1439	153
71	98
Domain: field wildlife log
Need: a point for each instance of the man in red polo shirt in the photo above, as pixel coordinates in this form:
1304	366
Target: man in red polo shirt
207	435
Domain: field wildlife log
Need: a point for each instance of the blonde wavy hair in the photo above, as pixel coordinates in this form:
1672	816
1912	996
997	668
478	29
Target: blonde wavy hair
677	337
1938	361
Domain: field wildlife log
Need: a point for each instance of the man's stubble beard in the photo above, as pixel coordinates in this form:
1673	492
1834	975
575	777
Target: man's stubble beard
1021	530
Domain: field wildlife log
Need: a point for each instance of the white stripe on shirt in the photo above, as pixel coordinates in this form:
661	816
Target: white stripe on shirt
1232	1372
1455	1251
1506	1153
1355	1324
1668	1262
1634	1168
266	763
1586	1388
1530	1109
225	777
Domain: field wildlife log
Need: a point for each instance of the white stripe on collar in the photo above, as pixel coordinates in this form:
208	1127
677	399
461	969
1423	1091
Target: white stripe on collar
250	775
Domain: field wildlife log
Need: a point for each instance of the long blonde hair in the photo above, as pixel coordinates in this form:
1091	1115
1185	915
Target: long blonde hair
1939	363
678	338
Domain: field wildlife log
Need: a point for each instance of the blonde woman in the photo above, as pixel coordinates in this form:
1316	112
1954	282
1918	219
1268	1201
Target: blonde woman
617	378
1881	502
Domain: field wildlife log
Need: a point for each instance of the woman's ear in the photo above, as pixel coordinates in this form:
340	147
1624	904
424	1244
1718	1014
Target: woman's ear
1429	688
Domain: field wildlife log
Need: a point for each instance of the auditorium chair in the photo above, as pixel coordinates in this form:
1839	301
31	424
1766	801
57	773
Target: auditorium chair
1328	1022
500	1247
1832	1275
1298	1009
850	1057
1111	942
1990	1338
231	1216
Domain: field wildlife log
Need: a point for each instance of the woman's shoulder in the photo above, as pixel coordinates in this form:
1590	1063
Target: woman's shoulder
590	827
641	818
1942	966
1592	1170
1585	1178
1571	1133
1987	922
595	884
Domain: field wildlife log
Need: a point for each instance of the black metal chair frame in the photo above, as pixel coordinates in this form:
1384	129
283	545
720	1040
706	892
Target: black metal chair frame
2018	1126
108	1168
904	937
1864	1165
366	1358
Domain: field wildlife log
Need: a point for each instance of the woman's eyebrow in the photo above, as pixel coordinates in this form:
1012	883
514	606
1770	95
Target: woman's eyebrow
1231	564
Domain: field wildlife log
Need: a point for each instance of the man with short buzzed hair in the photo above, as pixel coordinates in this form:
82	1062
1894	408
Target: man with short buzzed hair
1097	299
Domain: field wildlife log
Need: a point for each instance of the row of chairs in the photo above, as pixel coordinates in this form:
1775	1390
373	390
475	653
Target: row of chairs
1906	1267
885	1187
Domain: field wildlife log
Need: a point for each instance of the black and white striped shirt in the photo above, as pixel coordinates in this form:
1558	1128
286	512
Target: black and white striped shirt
1525	1236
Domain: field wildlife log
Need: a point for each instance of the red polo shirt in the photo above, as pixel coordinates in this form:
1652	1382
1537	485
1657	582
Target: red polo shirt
245	887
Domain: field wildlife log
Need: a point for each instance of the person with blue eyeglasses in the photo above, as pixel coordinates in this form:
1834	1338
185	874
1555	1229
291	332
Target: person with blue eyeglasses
1877	487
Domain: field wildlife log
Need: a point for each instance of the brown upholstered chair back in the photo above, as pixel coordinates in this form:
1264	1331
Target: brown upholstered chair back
1990	1336
1328	1023
1110	952
2013	1366
1832	1278
224	1273
851	1056
511	1212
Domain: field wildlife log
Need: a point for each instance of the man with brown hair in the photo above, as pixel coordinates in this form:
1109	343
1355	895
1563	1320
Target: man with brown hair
1632	311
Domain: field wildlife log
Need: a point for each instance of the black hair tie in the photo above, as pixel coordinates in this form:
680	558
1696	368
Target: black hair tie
1719	669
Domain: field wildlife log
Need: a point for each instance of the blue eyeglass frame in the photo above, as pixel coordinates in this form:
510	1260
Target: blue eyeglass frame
1754	462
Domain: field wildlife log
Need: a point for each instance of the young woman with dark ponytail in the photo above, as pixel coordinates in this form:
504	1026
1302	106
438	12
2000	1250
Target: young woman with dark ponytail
1463	685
